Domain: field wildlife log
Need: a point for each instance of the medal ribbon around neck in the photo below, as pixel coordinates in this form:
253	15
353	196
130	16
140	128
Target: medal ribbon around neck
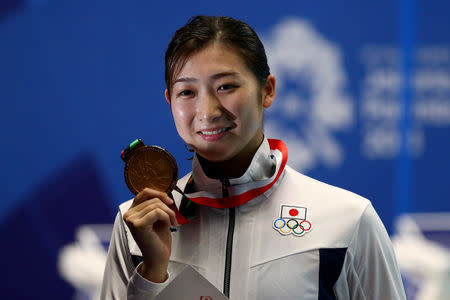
237	200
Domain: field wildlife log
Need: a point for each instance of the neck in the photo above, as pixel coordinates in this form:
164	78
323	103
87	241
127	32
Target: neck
231	168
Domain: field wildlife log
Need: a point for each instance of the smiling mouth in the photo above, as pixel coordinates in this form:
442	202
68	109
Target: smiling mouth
213	132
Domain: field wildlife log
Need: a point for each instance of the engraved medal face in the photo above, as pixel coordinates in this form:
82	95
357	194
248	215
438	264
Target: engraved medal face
152	167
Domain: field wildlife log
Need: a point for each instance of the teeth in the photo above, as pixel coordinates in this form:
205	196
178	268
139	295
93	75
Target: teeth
214	131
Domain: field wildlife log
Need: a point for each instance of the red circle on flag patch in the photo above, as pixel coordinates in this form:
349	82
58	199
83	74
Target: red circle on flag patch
293	212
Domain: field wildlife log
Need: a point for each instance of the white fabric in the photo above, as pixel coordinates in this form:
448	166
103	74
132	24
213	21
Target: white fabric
266	264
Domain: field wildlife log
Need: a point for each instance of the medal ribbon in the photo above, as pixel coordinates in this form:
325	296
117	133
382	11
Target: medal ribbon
180	218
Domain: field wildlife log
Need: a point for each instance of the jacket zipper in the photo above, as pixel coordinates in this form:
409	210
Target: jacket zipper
229	249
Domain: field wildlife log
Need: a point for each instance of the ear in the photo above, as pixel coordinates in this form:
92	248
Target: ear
166	94
269	91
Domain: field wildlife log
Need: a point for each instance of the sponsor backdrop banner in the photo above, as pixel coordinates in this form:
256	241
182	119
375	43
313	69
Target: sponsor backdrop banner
363	103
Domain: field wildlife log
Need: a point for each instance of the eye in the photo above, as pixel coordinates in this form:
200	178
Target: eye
226	87
185	93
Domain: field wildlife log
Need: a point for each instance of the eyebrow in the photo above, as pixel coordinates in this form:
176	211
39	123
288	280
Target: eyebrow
214	77
223	74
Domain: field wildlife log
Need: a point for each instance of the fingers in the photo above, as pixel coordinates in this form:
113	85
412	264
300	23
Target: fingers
141	210
148	221
148	193
148	207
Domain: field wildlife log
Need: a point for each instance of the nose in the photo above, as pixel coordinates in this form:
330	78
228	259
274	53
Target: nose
208	107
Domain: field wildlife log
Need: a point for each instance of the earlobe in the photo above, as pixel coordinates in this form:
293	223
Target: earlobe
166	94
269	91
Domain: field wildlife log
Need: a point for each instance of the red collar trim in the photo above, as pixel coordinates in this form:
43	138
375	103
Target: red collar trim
237	200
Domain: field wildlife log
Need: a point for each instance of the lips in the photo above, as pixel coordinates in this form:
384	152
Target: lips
214	134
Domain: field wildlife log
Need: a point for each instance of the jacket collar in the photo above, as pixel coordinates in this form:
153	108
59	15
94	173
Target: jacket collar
261	167
265	169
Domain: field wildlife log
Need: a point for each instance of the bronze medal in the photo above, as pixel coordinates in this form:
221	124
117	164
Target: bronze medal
149	167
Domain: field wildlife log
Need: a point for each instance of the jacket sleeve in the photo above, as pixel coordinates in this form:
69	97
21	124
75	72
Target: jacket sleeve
120	278
370	268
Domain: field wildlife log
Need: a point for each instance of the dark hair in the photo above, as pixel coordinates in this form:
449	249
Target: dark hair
200	31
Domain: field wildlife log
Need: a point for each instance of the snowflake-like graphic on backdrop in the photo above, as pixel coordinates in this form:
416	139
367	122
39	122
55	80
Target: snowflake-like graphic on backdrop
311	102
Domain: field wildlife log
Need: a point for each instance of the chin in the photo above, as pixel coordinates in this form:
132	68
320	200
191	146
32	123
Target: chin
215	151
214	155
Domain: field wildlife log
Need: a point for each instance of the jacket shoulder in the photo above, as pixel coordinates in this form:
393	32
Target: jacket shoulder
324	194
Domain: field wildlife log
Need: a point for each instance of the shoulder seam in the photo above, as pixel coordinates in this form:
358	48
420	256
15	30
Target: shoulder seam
352	241
353	238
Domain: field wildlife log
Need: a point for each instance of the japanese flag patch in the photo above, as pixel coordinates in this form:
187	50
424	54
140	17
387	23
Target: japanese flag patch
292	220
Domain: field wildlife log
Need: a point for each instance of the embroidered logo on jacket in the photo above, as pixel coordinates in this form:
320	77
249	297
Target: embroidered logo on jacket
292	220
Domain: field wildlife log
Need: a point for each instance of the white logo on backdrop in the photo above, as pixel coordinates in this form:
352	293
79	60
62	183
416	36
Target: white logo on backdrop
421	246
312	102
82	263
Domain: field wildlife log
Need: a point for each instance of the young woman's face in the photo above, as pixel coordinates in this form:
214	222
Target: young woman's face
217	104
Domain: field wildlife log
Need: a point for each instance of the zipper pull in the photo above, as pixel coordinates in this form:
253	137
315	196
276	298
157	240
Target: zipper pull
225	185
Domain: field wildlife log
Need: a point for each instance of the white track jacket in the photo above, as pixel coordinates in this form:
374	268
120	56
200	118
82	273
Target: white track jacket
271	234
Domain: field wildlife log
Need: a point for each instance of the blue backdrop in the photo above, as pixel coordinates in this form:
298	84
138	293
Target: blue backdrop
363	103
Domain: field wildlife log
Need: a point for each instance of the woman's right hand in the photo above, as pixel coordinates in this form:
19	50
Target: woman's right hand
149	219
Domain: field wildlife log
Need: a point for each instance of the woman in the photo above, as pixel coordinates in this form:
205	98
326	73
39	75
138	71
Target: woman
260	230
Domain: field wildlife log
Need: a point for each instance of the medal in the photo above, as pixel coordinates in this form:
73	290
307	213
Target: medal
149	167
152	167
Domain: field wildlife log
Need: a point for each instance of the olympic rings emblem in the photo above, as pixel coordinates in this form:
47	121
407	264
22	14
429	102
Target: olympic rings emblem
292	226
